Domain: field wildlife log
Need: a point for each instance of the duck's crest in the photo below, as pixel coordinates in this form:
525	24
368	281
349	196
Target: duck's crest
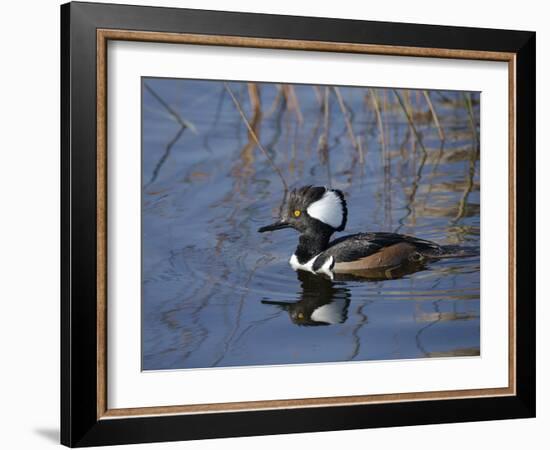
330	208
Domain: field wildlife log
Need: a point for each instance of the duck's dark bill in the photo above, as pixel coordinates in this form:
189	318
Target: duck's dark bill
274	226
273	302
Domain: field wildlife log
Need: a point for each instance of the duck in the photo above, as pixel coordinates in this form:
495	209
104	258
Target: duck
317	212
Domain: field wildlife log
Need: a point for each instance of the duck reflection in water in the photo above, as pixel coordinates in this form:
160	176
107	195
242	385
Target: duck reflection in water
322	302
325	301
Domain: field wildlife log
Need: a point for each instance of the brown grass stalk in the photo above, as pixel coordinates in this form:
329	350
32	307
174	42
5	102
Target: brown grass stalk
247	153
410	121
374	97
468	100
292	101
434	115
255	137
345	112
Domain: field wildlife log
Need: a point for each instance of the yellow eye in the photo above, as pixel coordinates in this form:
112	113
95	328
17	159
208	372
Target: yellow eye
300	315
297	213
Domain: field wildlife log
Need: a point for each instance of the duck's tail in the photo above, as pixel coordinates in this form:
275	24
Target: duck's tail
452	251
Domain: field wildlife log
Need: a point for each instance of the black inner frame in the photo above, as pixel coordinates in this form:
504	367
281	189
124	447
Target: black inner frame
79	424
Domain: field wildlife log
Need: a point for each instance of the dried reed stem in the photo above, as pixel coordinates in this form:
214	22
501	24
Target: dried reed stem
165	155
374	97
323	139
318	95
345	112
360	149
463	203
275	103
183	126
434	115
168	108
292	101
410	120
247	153
469	107
253	134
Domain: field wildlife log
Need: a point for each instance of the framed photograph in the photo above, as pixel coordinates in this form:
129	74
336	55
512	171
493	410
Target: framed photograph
277	224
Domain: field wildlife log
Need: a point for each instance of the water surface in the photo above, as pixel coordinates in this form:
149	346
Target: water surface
217	293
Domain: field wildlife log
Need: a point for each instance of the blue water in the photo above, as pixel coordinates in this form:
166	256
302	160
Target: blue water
209	279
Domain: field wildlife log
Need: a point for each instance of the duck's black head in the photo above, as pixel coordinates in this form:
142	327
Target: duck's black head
312	210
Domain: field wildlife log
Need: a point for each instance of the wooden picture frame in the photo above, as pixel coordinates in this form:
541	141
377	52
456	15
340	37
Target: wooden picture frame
86	418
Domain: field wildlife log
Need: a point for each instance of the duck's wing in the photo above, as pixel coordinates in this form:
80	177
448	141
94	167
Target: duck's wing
362	245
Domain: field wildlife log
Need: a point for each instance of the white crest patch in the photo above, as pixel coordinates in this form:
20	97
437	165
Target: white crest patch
328	209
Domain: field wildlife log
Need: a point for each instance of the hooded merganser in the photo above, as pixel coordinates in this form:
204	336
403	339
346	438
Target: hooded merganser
317	212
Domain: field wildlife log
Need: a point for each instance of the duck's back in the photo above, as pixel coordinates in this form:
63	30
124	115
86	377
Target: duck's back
364	251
